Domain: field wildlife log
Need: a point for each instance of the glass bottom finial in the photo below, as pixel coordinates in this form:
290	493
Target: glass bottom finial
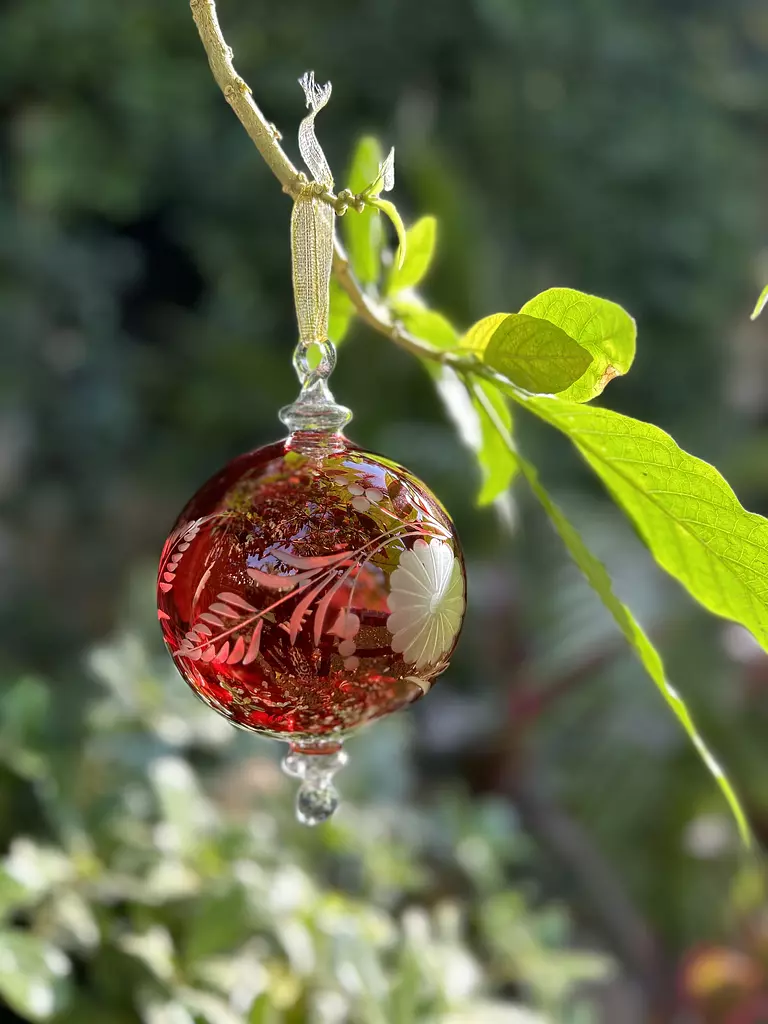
315	765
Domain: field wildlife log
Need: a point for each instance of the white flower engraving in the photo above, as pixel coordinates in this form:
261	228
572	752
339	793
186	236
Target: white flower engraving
426	602
364	497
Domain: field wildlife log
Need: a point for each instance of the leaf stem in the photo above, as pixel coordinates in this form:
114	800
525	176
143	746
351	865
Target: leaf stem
598	578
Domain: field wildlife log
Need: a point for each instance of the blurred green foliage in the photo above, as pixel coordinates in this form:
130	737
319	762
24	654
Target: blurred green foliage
146	325
146	312
167	881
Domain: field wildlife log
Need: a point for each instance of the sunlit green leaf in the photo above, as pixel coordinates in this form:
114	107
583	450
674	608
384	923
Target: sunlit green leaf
33	975
402	240
682	507
479	334
362	231
599	579
535	354
340	314
427	324
760	304
421	238
602	327
497	462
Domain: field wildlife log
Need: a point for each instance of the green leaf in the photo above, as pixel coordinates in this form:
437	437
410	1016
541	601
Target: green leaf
602	327
340	314
402	239
38	869
24	712
497	462
362	231
13	894
479	334
33	975
760	304
264	1011
72	921
87	1009
207	1007
494	1012
157	1009
187	813
535	354
599	579
682	507
24	709
154	948
221	922
427	324
420	248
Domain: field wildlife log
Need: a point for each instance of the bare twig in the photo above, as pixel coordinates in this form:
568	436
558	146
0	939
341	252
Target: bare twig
266	138
238	94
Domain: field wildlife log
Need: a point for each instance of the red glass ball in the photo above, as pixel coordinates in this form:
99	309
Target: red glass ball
310	587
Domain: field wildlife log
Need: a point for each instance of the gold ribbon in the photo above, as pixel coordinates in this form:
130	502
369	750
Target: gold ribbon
312	225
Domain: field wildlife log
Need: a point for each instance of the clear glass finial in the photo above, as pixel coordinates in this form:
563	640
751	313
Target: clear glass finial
315	765
315	409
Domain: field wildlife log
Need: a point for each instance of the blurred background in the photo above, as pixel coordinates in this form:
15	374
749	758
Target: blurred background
536	842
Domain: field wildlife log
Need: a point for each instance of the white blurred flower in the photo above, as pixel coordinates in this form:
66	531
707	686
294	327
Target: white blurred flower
709	836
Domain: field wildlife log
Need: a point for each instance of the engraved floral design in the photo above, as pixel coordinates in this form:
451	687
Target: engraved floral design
361	489
425	605
277	615
426	602
364	497
346	627
229	630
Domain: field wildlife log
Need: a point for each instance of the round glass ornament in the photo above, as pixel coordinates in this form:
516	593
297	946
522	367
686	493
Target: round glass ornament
307	589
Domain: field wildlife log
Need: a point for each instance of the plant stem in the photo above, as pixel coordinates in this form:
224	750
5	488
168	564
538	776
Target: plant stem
238	94
266	138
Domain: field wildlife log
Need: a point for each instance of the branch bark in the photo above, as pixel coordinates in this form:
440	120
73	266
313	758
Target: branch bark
238	95
266	138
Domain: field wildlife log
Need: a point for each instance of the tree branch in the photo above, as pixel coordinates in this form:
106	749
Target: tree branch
238	95
266	138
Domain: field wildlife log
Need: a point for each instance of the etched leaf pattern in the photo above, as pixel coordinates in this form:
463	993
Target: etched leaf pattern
229	630
169	570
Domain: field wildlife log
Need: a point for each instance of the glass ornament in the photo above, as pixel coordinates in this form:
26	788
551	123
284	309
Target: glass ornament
311	587
307	589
